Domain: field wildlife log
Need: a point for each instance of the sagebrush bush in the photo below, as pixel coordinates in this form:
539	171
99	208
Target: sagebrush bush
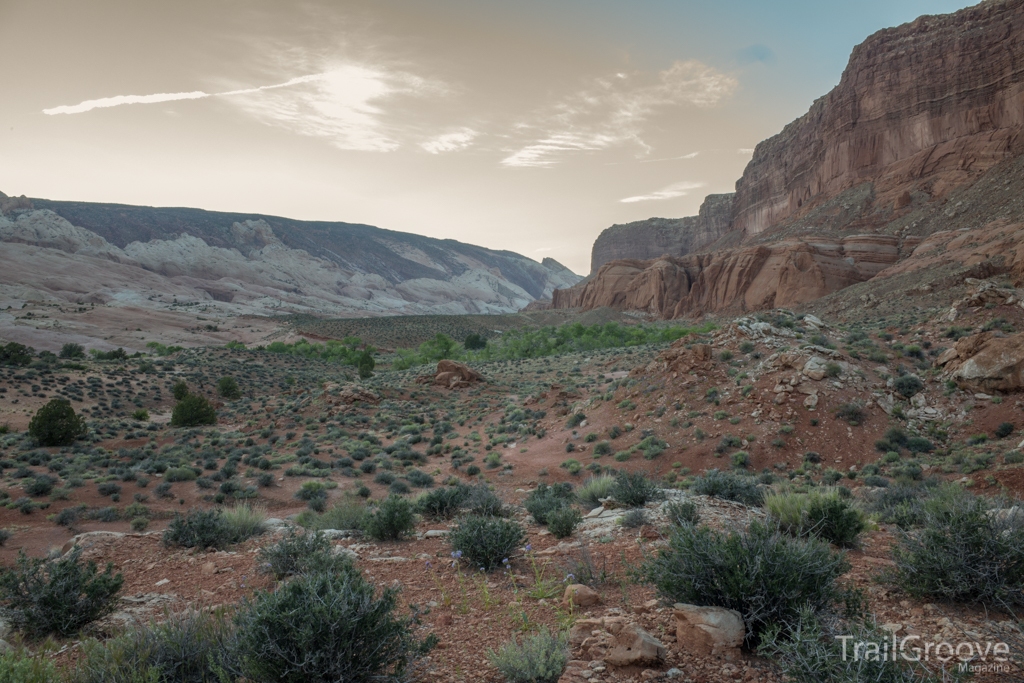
56	597
213	528
392	519
594	489
348	632
483	501
187	647
762	573
545	499
228	388
730	486
907	385
824	514
485	542
682	512
56	424
562	522
902	504
634	489
245	521
443	503
39	485
540	658
23	666
962	552
192	411
347	514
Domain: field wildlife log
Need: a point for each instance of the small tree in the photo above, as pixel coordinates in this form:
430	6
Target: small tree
56	424
72	350
475	342
228	388
193	410
180	390
13	353
366	364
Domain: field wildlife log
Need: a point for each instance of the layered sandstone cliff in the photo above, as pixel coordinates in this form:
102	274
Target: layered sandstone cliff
656	237
924	107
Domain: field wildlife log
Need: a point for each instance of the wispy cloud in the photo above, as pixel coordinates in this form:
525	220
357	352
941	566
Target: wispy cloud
450	142
614	110
119	100
680	189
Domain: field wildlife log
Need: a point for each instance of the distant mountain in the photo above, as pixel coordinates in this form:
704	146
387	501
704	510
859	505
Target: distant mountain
252	263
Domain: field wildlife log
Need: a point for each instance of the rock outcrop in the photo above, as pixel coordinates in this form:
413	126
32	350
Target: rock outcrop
656	237
924	107
453	375
986	362
749	278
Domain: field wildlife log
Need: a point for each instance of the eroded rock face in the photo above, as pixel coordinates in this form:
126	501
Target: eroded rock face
927	106
986	362
656	237
764	276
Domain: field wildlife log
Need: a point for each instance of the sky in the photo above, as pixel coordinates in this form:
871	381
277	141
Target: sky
529	125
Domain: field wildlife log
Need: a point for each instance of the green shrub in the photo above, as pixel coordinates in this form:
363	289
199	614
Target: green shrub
919	444
72	350
347	514
22	666
348	632
907	385
175	474
729	486
540	658
562	522
634	519
485	542
365	365
682	512
60	596
311	489
186	647
1004	430
853	413
602	448
179	390
634	489
392	519
594	489
141	415
575	419
39	485
199	529
483	501
192	411
56	424
244	521
443	503
227	387
545	499
419	479
13	353
962	552
762	573
300	553
833	369
824	514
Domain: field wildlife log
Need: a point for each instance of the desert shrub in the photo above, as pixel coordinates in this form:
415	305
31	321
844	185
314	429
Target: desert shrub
562	522
1004	430
575	419
483	501
72	350
39	485
244	521
365	365
634	489
108	488
227	387
474	342
349	632
485	542
22	666
420	479
347	514
192	411
392	519
594	489
682	512
310	490
907	385
442	503
186	647
56	424
300	553
199	529
540	658
833	369
60	596
919	444
824	514
762	573
13	353
141	415
634	519
4	536
179	390
813	652
851	412
962	552
175	474
730	486
602	448
545	499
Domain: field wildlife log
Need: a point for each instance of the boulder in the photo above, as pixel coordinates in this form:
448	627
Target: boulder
453	375
635	647
580	595
709	630
986	362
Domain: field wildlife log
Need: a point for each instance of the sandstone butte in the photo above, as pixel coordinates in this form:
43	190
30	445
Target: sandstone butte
924	113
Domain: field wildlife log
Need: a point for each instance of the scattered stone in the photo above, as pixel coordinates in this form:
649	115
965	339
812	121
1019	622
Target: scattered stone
580	595
709	630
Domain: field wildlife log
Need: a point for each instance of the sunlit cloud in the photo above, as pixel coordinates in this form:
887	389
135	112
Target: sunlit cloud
670	192
119	100
613	111
450	142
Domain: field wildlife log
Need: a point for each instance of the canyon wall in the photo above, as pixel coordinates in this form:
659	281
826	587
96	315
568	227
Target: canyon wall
656	237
